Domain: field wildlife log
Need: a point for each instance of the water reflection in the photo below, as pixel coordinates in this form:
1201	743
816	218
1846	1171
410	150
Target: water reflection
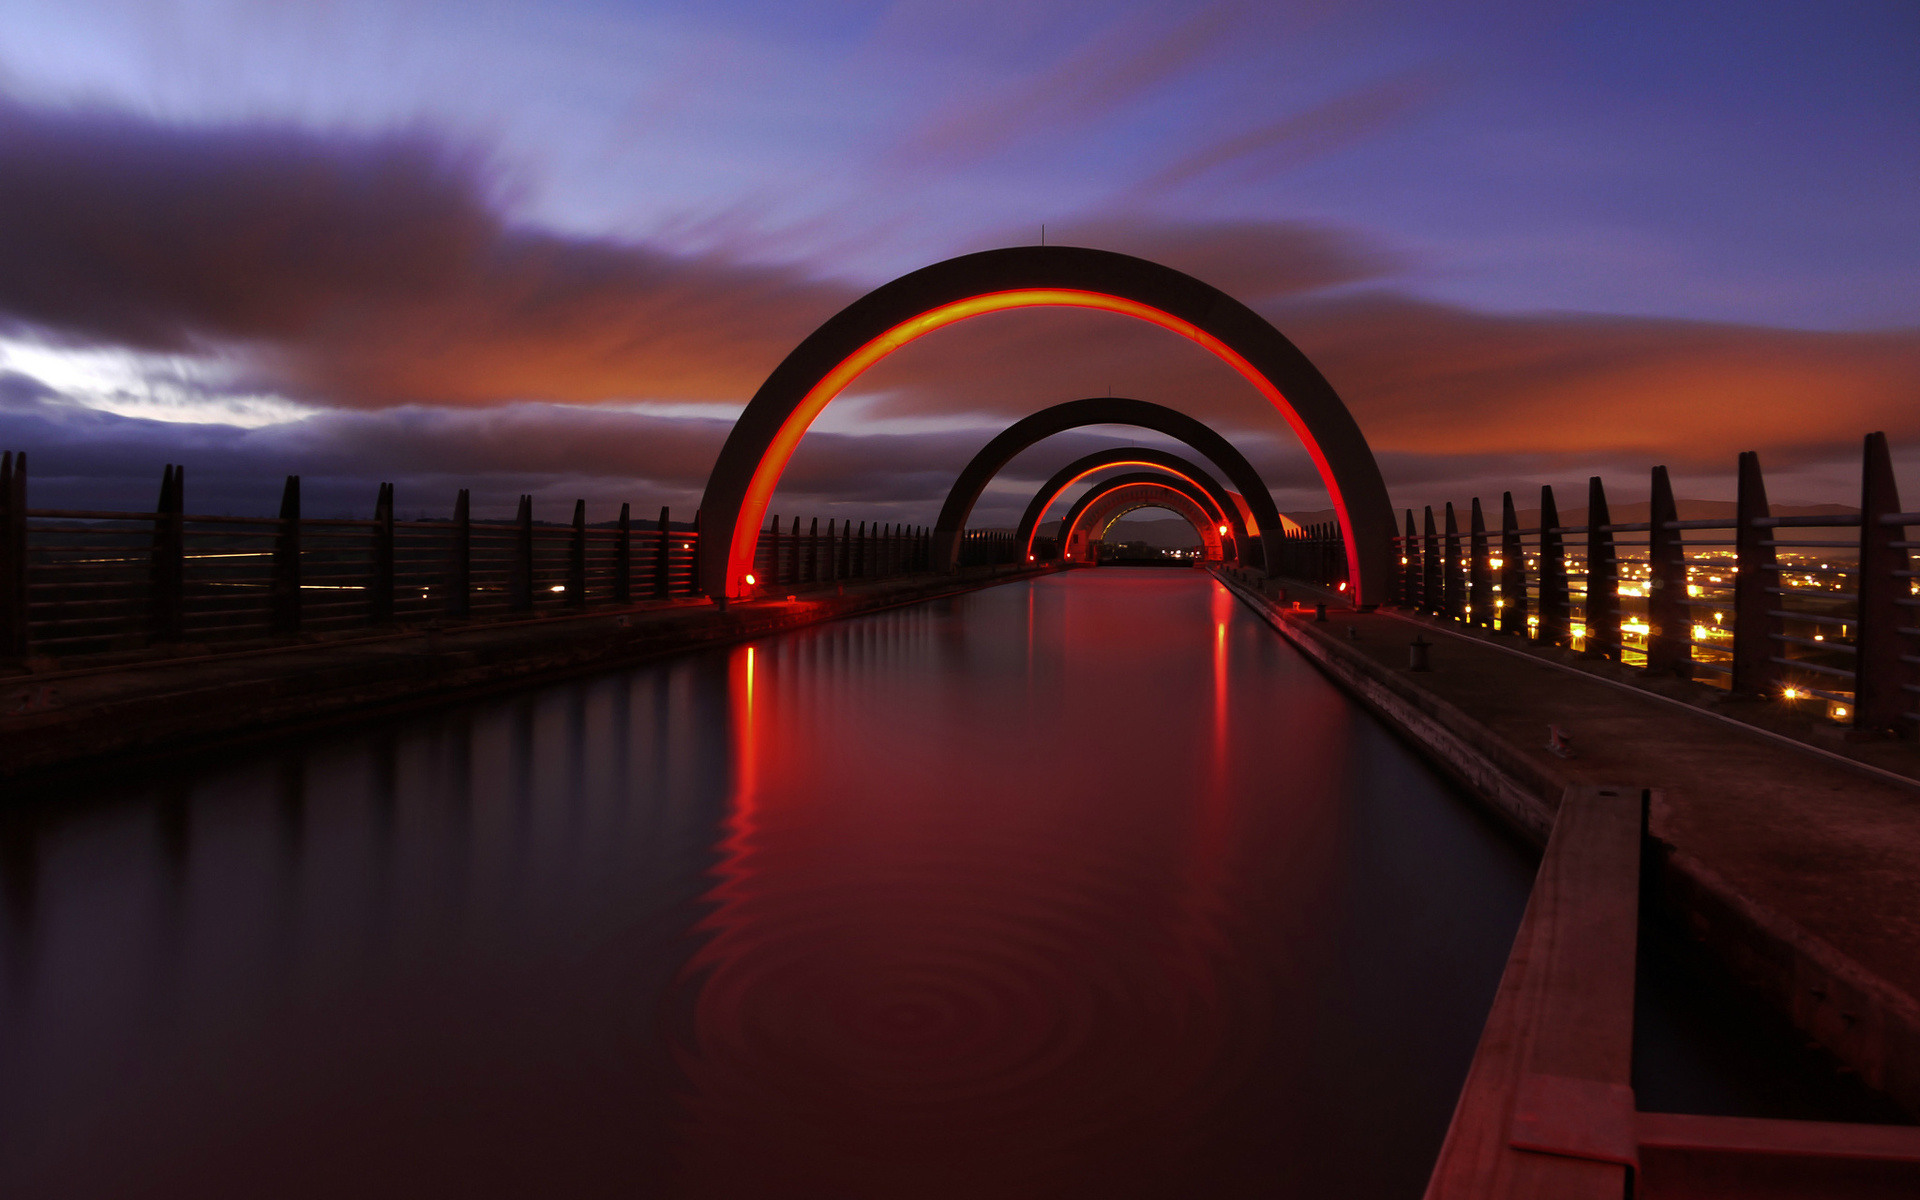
1087	887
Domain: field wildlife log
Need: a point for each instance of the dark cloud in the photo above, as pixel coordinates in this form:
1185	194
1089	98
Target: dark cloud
363	271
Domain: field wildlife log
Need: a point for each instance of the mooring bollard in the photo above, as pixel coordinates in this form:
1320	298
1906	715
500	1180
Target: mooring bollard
1320	613
1417	654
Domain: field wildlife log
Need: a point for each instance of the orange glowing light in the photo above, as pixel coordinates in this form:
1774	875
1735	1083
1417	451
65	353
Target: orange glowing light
766	474
749	581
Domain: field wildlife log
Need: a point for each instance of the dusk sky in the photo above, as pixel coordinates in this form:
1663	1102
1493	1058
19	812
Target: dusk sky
554	247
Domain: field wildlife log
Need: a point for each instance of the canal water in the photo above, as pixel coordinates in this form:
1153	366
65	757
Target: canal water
1088	886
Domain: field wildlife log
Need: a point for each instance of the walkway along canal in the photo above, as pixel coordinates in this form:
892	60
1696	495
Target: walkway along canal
1082	885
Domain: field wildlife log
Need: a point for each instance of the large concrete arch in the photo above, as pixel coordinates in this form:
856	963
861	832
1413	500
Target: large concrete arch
1218	504
1163	489
1104	410
890	316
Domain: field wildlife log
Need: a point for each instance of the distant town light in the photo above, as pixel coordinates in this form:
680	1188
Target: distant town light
558	587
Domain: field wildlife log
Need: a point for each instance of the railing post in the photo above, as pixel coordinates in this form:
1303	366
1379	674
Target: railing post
1513	570
813	550
1410	573
380	608
1479	573
577	558
860	569
1433	597
1879	700
1556	607
520	569
663	560
167	578
1754	671
1454	571
1603	578
460	569
285	586
832	561
623	557
13	555
794	571
1669	618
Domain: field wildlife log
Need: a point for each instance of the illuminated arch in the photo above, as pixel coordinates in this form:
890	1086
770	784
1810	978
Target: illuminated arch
1215	500
1104	410
890	316
1111	499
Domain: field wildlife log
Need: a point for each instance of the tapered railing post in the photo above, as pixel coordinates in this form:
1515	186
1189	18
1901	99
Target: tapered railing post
663	560
1456	574
1556	606
577	558
1479	572
813	550
1754	627
13	556
1879	698
520	568
1603	577
623	557
1433	597
1513	570
284	588
860	568
167	575
460	560
1410	572
380	593
1669	617
796	569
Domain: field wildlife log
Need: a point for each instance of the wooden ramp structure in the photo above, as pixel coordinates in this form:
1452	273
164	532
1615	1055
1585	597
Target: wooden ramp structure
1548	1111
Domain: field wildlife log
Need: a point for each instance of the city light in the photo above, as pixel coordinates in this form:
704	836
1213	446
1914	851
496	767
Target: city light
1791	694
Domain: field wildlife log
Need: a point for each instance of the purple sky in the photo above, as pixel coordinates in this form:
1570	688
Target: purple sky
553	247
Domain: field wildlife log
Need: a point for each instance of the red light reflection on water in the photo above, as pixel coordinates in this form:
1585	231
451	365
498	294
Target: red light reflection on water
990	967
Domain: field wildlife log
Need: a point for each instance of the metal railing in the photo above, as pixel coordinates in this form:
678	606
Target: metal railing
1314	553
1822	607
796	559
85	581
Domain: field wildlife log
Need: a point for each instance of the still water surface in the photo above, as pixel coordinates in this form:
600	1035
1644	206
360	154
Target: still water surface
1084	887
